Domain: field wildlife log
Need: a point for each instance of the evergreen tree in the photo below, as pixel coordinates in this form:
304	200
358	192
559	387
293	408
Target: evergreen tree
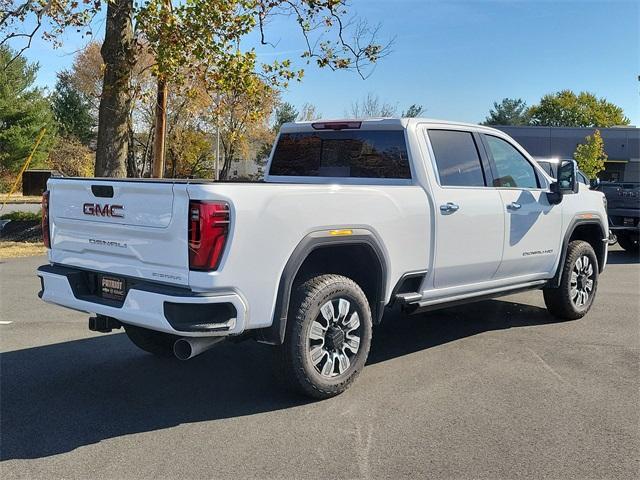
24	111
510	111
72	110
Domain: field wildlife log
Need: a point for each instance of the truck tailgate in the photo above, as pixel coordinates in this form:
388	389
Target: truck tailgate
131	228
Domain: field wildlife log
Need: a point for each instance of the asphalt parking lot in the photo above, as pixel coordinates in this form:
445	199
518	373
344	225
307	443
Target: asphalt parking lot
492	390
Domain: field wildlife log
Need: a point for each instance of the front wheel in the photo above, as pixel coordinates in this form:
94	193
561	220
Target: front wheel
328	336
578	284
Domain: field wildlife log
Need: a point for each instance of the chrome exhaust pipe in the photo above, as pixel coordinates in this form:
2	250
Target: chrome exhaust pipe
186	348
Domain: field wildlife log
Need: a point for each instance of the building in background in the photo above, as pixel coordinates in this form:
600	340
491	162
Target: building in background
245	169
622	145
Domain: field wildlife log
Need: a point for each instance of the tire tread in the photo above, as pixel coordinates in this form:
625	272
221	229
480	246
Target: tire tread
290	359
558	300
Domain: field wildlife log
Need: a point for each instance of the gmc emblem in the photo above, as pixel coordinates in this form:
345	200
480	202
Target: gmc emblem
103	210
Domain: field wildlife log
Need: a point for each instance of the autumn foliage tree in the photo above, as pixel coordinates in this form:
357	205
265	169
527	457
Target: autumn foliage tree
194	38
590	155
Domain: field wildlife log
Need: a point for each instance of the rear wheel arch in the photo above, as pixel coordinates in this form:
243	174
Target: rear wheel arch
359	257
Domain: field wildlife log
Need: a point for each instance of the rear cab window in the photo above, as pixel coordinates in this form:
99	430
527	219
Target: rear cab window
350	153
457	158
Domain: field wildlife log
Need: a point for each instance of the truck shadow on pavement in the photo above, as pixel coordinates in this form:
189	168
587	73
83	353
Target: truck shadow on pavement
621	257
56	398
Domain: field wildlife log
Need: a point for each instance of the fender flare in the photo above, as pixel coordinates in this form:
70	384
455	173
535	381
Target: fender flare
575	222
275	333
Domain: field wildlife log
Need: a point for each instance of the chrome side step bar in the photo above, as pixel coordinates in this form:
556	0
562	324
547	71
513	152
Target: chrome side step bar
418	306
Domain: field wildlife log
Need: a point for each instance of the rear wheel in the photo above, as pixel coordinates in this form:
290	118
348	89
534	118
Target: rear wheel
578	284
628	242
328	336
157	343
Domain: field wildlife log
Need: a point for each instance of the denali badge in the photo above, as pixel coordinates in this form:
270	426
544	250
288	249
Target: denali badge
107	243
105	210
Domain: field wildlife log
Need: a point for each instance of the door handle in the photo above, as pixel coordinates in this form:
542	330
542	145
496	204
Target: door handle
514	206
449	207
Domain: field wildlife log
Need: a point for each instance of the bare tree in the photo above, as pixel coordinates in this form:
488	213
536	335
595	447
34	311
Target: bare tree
308	112
371	106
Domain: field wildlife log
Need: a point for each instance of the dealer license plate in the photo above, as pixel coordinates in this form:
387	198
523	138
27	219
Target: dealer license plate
113	288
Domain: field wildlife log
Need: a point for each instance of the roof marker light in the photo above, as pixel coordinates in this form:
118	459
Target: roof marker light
346	125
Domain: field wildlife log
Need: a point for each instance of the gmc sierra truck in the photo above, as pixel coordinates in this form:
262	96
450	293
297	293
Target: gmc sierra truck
353	217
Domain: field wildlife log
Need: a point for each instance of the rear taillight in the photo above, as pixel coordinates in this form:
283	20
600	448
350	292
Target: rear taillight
208	230
46	238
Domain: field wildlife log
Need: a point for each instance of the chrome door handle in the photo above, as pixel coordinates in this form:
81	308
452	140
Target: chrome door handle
514	206
449	207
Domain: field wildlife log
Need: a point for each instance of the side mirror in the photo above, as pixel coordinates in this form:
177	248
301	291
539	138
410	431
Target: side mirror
594	183
567	182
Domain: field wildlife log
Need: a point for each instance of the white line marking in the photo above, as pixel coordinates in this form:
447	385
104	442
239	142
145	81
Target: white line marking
3	322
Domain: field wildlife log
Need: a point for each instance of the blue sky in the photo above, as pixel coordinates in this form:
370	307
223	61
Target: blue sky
457	57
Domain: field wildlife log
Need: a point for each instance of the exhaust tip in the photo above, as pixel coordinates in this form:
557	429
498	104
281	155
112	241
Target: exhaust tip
182	349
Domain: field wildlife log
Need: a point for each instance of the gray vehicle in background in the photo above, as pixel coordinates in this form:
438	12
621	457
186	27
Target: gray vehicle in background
623	200
550	165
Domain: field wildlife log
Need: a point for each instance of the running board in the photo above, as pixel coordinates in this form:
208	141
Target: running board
408	298
436	304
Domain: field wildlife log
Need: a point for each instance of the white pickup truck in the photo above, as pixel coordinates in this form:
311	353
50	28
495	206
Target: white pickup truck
352	218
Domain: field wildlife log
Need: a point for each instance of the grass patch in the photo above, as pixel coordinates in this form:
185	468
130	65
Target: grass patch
18	198
21	249
22	216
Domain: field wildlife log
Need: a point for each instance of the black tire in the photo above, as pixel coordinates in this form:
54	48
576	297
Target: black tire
561	302
628	242
297	369
158	343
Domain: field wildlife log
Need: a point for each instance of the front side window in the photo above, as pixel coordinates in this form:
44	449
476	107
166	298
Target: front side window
457	158
512	169
546	166
348	153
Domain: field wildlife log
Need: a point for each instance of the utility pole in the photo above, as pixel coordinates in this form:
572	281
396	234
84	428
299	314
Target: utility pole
161	129
217	170
161	117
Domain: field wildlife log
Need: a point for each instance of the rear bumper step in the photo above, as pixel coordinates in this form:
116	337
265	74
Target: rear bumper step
149	305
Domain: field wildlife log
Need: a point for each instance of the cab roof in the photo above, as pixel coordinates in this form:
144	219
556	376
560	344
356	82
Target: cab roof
376	124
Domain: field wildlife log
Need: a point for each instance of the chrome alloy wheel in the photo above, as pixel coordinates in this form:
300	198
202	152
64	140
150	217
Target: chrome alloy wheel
334	338
581	281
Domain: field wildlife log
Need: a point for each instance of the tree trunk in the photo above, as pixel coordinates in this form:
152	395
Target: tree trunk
132	167
115	102
226	166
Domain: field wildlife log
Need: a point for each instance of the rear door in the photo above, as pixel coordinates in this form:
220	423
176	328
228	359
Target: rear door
532	225
130	228
469	231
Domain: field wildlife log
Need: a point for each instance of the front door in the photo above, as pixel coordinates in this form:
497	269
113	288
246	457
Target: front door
469	225
532	225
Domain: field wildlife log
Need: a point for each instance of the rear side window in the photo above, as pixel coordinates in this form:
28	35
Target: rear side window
360	154
457	158
512	169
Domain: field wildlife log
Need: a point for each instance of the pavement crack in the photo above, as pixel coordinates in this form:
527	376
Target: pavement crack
549	368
